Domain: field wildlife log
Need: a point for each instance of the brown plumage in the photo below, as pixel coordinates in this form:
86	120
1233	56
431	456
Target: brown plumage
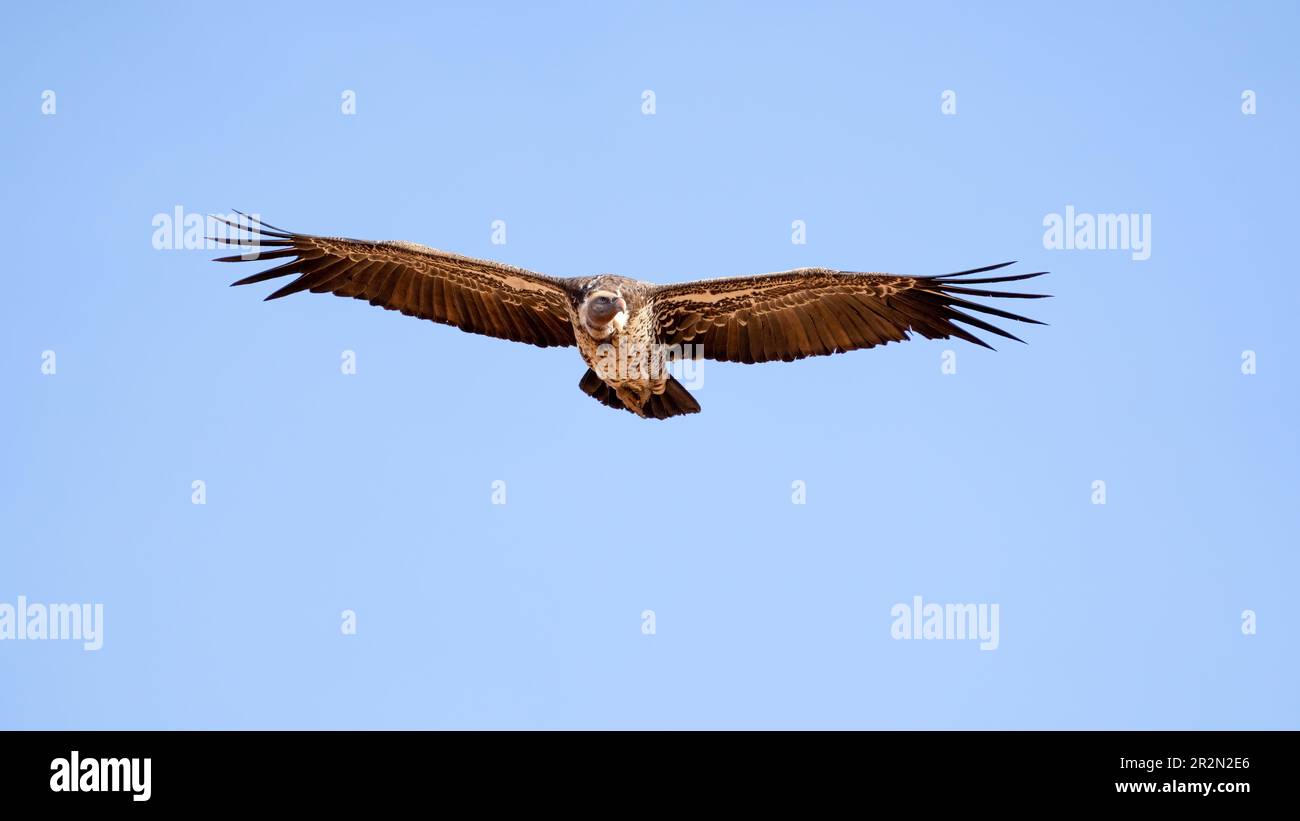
782	316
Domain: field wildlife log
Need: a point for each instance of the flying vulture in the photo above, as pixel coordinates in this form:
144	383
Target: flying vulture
627	330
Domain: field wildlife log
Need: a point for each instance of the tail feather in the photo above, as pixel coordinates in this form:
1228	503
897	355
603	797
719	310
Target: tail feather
674	401
595	387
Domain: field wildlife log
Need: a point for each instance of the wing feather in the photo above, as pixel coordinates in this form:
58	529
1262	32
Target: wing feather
816	312
474	295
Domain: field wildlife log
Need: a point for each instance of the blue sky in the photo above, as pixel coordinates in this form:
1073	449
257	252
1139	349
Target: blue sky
372	492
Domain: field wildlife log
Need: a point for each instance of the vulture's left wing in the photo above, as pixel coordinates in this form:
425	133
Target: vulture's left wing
814	311
475	295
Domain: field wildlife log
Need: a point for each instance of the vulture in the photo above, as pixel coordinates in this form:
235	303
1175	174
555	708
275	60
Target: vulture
629	332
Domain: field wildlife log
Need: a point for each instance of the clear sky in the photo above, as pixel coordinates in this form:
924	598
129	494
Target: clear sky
373	492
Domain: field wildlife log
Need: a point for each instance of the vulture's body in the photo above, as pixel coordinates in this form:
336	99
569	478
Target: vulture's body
625	329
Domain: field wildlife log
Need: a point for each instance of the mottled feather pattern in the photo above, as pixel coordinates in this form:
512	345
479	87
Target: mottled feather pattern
474	295
815	312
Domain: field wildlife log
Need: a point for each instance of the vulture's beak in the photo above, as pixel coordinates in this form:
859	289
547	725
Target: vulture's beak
620	304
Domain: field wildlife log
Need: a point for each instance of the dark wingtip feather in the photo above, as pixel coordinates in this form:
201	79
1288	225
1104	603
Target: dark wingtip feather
985	292
963	317
293	266
259	255
255	241
946	294
987	280
977	270
252	226
302	283
263	223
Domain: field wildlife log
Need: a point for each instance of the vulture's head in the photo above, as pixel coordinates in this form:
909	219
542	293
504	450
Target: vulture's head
603	311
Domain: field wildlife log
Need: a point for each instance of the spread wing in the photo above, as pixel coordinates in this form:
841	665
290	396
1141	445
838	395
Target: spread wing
475	295
814	312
